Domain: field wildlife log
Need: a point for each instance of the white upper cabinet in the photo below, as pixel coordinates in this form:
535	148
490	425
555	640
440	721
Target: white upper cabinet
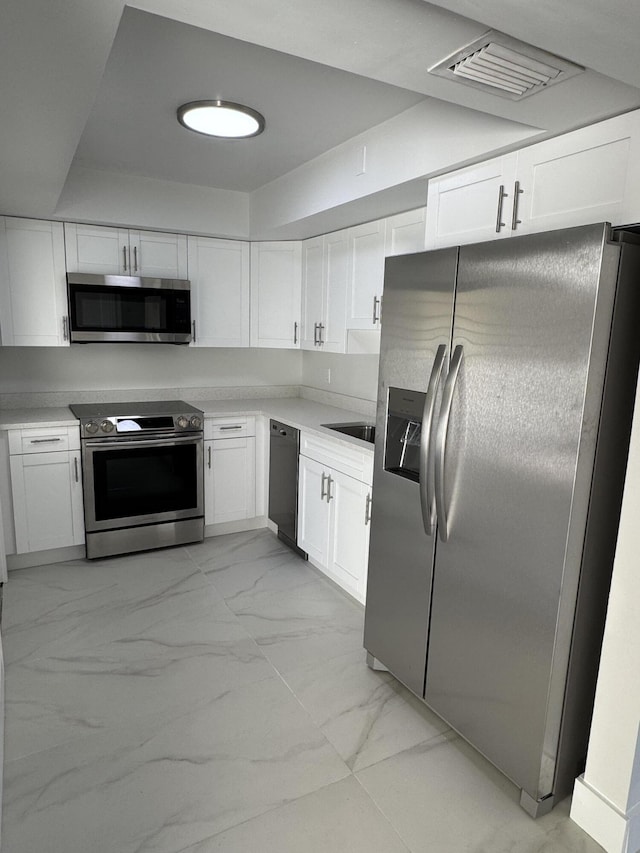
118	251
589	175
33	289
219	274
406	232
325	274
276	288
366	275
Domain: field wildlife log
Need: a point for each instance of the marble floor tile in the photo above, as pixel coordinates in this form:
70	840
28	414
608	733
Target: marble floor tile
368	716
444	796
161	787
337	819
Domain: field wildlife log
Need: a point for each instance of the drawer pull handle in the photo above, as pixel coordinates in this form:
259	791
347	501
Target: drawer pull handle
209	456
237	426
367	510
44	440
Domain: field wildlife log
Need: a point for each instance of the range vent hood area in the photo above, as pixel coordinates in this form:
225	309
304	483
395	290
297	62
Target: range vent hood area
504	66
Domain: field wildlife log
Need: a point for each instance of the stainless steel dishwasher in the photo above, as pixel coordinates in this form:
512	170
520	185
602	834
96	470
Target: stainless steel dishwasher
284	443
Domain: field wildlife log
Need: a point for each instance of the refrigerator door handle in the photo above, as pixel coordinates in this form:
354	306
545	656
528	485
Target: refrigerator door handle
427	489
441	441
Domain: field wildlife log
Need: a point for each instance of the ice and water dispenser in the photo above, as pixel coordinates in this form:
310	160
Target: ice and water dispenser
402	441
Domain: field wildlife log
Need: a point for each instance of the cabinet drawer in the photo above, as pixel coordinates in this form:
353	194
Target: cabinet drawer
229	427
43	439
339	456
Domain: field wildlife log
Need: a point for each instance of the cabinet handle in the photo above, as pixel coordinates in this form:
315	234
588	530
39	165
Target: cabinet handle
75	466
124	258
367	510
135	259
315	334
44	440
323	494
376	316
516	192
65	328
235	426
209	456
329	481
320	330
501	197
193	335
295	333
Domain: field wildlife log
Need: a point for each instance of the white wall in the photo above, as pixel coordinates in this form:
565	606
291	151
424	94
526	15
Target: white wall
129	366
106	198
353	375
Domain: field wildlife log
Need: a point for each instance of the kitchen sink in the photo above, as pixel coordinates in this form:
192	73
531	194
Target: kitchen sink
363	431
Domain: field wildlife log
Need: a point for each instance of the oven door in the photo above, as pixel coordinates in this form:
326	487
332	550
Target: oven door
131	482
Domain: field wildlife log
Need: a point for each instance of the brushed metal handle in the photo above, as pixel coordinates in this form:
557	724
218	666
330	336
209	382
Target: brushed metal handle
441	441
427	489
44	440
367	510
124	258
193	332
376	317
323	493
135	259
501	197
320	331
235	426
517	190
315	334
209	456
329	481
295	333
65	328
75	465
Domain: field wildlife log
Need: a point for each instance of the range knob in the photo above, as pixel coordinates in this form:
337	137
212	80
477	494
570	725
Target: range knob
106	426
91	428
196	421
183	422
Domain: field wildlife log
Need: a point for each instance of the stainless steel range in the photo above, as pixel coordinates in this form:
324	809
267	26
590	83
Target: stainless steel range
142	471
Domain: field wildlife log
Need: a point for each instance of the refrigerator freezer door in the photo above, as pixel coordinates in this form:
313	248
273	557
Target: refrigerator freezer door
520	420
416	322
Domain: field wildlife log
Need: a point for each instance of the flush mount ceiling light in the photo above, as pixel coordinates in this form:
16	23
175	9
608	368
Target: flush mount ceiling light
222	119
504	66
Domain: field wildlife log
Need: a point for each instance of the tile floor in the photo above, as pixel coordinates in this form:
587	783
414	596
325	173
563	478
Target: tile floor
216	698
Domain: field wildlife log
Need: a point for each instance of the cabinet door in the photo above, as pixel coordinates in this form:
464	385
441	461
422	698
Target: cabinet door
219	273
33	289
366	275
157	255
472	204
313	510
590	175
276	284
313	282
336	273
349	536
47	500
230	480
97	249
406	232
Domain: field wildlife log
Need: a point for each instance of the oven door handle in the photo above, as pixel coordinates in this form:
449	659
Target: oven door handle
143	442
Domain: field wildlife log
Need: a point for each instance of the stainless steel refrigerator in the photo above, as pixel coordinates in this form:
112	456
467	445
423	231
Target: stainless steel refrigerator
507	379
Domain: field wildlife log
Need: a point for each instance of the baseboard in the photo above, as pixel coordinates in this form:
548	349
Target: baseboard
235	526
599	818
43	558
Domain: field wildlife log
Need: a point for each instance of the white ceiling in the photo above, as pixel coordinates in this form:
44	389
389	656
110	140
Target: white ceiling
74	85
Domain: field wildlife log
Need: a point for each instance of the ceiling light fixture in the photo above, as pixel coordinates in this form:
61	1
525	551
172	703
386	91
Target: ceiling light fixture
222	119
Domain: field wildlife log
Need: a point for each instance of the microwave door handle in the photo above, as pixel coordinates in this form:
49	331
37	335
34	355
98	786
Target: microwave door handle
441	441
427	502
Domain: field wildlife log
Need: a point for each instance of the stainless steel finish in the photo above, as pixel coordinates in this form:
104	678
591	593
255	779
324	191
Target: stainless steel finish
131	337
427	488
91	428
283	482
209	457
107	426
129	281
536	808
356	429
44	440
65	328
131	539
501	197
329	482
75	467
193	331
441	441
135	259
195	422
235	426
295	333
418	310
517	191
124	258
315	334
320	331
323	492
367	509
375	317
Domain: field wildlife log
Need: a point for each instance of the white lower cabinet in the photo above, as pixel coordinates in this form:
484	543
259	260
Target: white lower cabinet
46	486
334	511
230	470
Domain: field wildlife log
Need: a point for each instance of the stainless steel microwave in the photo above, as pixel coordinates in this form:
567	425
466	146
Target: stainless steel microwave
128	309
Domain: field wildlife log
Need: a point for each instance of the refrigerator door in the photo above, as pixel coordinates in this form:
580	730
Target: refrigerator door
416	328
514	483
